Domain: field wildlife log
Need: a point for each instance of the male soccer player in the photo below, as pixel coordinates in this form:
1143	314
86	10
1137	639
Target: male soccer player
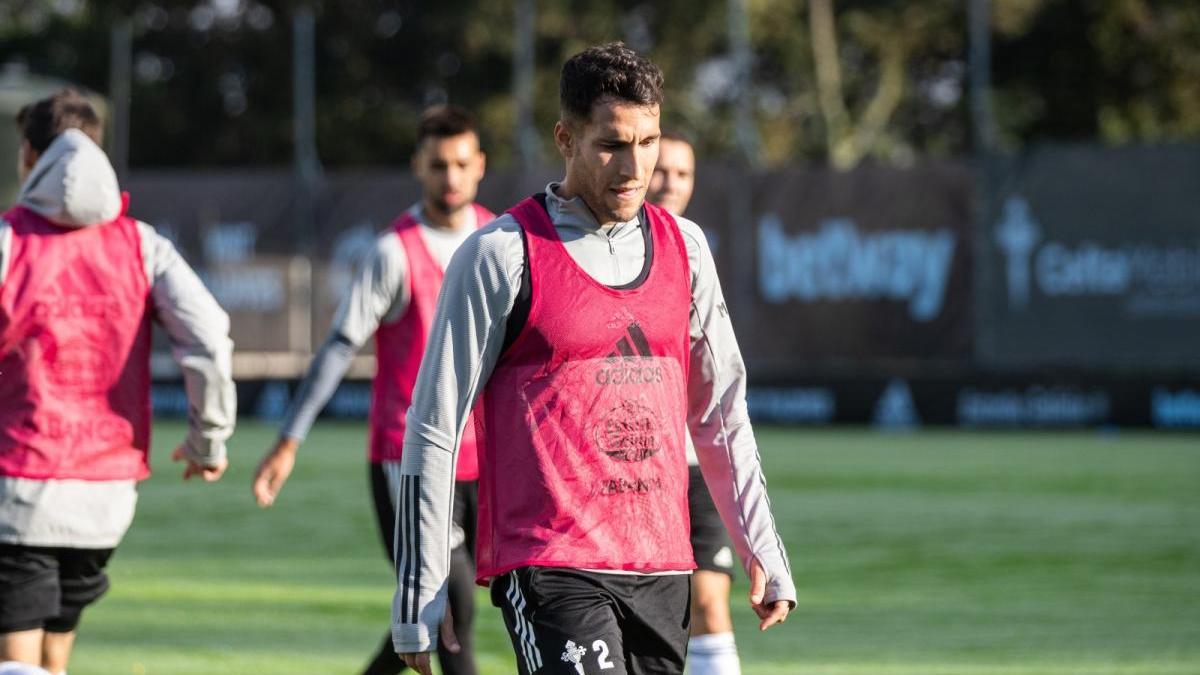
711	648
674	175
393	298
592	329
80	282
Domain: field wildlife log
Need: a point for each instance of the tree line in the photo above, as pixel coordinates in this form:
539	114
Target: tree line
838	82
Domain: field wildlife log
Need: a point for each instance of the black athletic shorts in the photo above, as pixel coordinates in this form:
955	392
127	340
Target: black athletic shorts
42	587
572	622
710	541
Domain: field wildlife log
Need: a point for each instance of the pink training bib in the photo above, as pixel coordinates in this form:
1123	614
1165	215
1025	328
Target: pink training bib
74	352
399	347
582	423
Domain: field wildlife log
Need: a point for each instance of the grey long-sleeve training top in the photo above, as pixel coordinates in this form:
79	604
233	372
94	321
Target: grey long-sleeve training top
478	294
73	185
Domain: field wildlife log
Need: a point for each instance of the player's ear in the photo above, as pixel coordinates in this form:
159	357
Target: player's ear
564	138
418	157
29	156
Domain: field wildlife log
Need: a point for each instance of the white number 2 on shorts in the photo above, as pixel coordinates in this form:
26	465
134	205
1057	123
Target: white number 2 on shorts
601	648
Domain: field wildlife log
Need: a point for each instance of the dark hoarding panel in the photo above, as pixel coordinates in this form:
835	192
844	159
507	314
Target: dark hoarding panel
860	267
1092	259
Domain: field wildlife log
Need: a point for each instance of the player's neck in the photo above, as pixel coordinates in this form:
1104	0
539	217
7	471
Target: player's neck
449	221
565	192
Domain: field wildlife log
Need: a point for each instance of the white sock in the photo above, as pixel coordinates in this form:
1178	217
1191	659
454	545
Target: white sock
17	668
713	654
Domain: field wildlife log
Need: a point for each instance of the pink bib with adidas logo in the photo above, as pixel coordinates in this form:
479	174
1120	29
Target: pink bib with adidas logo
581	427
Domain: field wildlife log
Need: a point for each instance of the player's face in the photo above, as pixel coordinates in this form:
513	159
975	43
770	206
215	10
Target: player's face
611	157
674	176
449	170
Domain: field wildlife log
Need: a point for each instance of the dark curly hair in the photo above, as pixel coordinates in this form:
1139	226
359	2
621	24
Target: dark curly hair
42	121
444	121
607	70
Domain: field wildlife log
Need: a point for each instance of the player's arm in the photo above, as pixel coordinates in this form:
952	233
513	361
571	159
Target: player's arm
464	343
720	428
198	330
377	291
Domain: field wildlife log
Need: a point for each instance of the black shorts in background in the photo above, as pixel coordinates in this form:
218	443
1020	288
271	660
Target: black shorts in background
44	587
710	541
573	622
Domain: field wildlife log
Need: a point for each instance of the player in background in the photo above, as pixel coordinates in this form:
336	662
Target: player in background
393	298
592	329
80	282
674	175
711	648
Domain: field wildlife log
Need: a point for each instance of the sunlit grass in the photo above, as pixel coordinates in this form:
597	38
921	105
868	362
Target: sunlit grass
929	553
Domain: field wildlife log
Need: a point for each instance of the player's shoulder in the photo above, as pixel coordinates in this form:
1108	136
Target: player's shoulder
694	241
691	231
151	235
159	253
497	245
499	240
386	249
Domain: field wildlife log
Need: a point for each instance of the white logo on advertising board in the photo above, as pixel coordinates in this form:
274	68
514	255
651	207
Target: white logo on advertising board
895	408
1035	405
272	401
793	405
1154	279
1017	234
838	263
1175	409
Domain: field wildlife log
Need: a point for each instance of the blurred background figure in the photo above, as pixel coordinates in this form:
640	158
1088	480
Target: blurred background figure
675	174
392	299
80	283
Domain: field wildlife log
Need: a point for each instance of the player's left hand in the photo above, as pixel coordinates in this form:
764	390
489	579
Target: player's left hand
418	661
210	474
768	613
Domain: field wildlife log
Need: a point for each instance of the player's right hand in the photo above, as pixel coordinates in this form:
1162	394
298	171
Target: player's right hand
420	661
273	471
210	473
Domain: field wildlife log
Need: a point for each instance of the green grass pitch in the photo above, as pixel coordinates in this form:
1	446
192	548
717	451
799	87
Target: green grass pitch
924	553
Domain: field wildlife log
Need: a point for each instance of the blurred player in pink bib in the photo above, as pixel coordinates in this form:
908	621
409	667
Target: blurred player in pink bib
393	299
80	284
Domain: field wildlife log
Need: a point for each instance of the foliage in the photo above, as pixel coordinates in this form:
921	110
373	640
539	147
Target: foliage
879	80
